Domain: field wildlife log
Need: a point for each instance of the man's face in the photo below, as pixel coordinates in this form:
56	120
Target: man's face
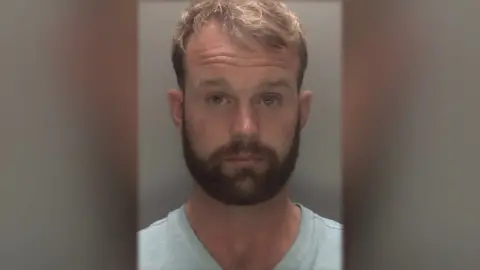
241	116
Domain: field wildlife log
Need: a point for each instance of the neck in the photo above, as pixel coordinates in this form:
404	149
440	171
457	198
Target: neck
241	237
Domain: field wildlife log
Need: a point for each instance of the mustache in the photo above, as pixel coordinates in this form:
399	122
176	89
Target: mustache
242	146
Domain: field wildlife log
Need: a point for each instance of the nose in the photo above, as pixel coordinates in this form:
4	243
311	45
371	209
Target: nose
245	122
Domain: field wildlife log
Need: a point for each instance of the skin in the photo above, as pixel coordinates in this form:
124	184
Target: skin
240	237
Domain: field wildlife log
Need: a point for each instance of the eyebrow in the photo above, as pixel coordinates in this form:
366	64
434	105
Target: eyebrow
213	82
281	83
223	83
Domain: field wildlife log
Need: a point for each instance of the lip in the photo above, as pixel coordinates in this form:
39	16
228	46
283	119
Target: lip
243	158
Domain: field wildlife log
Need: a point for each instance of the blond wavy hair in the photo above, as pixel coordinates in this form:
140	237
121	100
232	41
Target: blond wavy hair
269	23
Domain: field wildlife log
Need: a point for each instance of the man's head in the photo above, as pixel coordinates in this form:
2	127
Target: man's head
239	66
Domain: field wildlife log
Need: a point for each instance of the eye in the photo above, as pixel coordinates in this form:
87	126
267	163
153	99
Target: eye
271	99
218	99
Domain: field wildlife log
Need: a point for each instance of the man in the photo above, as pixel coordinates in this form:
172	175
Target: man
240	110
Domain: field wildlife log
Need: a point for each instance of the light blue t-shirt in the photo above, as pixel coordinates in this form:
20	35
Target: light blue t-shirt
171	244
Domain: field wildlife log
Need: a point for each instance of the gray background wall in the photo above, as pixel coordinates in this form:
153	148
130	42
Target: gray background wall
164	181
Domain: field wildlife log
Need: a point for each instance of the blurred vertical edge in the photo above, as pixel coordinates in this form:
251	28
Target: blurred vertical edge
411	134
68	115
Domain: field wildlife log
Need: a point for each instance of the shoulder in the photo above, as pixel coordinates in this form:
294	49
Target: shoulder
329	225
330	229
322	223
332	233
152	243
154	232
167	244
328	241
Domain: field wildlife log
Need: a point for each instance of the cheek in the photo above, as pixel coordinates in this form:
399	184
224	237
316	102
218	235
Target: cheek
206	134
279	132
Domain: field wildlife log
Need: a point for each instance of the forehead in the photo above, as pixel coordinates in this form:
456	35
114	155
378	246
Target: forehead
212	55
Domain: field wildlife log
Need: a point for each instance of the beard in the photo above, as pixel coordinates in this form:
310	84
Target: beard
245	185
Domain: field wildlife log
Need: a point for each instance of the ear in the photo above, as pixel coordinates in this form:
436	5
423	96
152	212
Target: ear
305	99
175	100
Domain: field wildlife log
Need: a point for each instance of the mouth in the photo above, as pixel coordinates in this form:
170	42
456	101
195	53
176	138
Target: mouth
243	158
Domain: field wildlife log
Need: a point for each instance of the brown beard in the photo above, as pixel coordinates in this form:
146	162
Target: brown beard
227	188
